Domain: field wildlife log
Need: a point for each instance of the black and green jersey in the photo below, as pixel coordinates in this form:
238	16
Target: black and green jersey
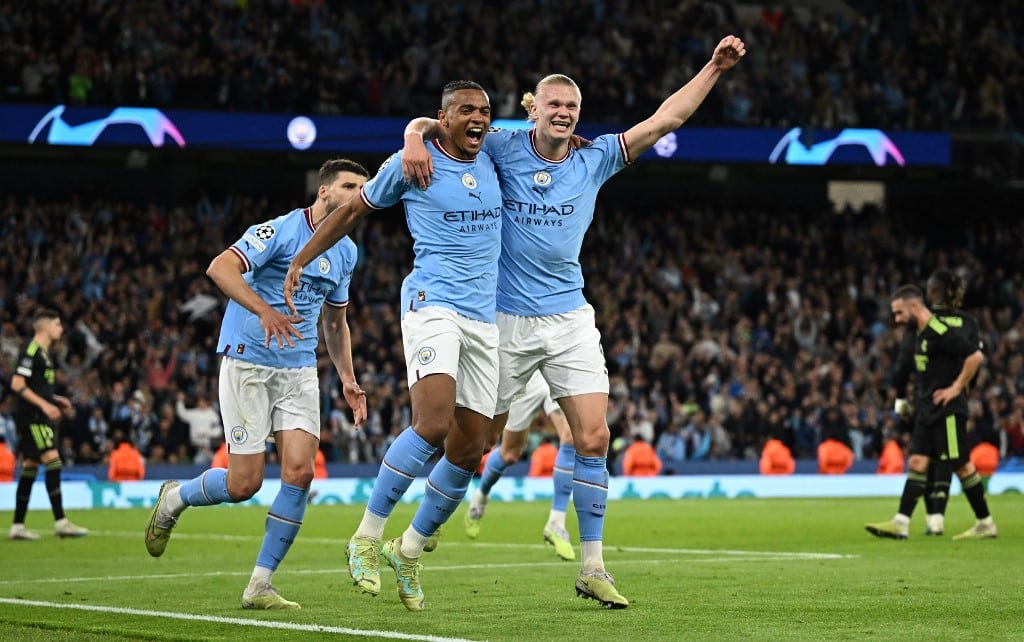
949	317
35	365
939	352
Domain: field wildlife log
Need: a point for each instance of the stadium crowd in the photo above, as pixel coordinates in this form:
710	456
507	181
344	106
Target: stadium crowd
915	64
722	327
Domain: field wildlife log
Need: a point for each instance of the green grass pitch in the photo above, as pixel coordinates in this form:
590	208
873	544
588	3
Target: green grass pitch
735	569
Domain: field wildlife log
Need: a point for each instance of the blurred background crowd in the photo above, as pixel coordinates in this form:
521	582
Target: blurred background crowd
723	325
897	64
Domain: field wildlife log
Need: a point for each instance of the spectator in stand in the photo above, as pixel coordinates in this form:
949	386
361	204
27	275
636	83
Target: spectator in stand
834	457
204	427
892	460
8	462
776	458
319	465
220	456
126	462
985	457
640	460
542	459
671	449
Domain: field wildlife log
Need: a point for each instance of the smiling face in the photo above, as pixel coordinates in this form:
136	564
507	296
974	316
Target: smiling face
556	110
465	118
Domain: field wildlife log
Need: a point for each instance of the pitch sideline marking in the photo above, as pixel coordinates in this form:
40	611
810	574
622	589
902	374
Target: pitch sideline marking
454	567
624	549
290	626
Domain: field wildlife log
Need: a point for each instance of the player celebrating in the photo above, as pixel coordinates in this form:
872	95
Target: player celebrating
448	329
549	191
273	389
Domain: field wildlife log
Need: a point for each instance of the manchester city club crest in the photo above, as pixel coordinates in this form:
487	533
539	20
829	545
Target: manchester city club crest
239	435
469	181
426	355
542	178
324	265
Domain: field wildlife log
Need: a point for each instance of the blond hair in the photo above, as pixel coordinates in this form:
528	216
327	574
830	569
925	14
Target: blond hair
553	79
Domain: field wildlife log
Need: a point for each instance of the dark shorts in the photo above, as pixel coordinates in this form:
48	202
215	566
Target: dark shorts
35	438
943	438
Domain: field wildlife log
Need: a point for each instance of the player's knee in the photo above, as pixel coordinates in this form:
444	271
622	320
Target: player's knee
243	489
301	476
593	442
965	470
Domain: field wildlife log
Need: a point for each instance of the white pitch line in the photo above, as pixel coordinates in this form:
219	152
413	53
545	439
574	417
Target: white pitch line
448	542
289	626
751	557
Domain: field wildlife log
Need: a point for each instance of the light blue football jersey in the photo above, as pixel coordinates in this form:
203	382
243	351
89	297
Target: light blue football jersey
266	250
456	229
548	207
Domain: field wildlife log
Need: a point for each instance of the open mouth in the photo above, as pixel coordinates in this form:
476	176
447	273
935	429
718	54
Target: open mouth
475	134
561	125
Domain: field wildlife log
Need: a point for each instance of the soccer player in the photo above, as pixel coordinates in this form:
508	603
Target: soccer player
946	358
945	294
37	412
448	330
268	376
549	191
536	397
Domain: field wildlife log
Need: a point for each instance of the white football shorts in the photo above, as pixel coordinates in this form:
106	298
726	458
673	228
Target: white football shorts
439	340
524	408
256	401
566	348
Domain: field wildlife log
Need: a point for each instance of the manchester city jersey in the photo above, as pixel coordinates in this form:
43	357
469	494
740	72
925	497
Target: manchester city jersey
456	229
266	250
548	206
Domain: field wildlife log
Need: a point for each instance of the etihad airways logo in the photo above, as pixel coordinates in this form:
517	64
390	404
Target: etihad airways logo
152	121
877	144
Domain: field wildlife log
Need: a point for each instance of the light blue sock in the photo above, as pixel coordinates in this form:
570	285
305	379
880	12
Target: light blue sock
493	470
283	522
402	462
208	489
446	486
590	488
564	464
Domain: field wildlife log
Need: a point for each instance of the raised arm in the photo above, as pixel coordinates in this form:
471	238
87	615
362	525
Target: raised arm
417	163
336	225
678	107
339	345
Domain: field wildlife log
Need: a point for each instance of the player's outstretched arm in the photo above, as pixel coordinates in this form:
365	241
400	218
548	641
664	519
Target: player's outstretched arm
678	107
336	225
417	163
338	338
226	271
